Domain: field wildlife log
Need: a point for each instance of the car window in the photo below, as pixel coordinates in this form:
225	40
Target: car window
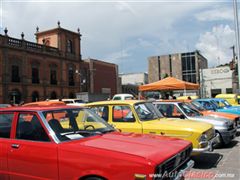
75	123
68	101
79	101
189	111
146	111
30	128
117	98
208	105
122	114
101	111
5	125
169	110
128	97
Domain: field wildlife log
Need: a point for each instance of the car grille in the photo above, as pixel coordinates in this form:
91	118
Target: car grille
172	165
230	127
237	120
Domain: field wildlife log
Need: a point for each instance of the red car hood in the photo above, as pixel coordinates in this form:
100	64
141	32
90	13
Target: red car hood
154	148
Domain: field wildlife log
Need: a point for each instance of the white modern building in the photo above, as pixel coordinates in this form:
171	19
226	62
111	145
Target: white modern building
134	78
131	81
215	81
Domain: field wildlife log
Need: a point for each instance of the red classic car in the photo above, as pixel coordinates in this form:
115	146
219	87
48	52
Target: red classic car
64	142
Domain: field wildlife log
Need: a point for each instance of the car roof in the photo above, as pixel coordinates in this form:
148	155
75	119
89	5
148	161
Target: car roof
123	94
206	99
113	102
44	103
169	101
36	108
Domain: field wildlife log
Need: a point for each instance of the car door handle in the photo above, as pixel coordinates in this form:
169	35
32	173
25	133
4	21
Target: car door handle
16	146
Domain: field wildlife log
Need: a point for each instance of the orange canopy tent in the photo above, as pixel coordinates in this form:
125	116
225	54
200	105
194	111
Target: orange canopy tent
169	83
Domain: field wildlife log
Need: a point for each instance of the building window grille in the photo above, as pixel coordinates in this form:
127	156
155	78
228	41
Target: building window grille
15	74
189	68
35	75
69	46
53	77
71	77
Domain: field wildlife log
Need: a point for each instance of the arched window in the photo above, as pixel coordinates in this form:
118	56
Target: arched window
53	95
15	96
71	76
35	96
15	73
53	74
69	46
35	73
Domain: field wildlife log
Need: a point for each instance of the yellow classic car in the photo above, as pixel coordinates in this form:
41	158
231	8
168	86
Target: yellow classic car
142	117
232	99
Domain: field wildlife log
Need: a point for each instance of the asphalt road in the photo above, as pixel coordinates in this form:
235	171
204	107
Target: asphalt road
223	163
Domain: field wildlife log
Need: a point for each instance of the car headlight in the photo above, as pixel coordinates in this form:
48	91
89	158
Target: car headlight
203	138
225	124
140	177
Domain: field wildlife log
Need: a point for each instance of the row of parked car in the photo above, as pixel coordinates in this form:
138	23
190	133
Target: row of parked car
121	139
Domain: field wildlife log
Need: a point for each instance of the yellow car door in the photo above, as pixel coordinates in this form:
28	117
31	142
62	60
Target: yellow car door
123	118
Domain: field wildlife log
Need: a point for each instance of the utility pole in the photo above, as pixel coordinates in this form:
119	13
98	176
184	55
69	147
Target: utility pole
237	39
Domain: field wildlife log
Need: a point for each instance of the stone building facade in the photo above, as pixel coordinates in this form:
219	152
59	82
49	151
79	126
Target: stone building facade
49	69
184	66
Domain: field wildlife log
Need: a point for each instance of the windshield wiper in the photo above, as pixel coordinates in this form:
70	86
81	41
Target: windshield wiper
79	132
108	131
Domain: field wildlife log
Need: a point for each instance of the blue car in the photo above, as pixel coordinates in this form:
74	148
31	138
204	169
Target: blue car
219	105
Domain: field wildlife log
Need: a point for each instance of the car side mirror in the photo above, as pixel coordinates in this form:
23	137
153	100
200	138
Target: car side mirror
182	116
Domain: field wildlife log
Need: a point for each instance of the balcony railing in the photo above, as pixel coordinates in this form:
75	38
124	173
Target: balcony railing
13	42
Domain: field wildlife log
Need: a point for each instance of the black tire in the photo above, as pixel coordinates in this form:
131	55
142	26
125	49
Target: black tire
93	178
222	143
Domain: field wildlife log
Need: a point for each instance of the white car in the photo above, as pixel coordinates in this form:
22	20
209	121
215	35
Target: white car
122	97
73	102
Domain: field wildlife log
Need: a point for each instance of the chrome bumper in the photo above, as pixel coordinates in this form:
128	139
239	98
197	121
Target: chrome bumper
185	169
209	146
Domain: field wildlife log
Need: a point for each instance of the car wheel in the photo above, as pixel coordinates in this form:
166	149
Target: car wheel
221	142
93	178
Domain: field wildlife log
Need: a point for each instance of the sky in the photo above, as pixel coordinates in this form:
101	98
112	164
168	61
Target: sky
128	32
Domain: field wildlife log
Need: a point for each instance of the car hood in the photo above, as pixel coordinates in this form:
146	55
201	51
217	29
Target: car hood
216	121
180	124
150	147
220	115
229	110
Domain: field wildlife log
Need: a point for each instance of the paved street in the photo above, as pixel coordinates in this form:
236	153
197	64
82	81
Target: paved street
222	163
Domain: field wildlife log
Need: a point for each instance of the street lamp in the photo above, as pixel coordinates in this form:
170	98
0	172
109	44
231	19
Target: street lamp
82	79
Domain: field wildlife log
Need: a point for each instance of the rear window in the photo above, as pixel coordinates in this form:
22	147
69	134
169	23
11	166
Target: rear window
117	98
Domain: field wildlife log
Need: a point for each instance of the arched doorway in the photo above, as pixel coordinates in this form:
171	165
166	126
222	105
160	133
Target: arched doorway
35	96
53	95
15	96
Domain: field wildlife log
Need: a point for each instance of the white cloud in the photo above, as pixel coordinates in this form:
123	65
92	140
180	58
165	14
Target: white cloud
119	31
119	56
124	6
215	45
216	14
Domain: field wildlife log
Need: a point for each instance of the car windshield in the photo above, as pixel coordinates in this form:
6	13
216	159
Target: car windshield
226	103
75	123
198	106
222	103
78	101
147	111
189	111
